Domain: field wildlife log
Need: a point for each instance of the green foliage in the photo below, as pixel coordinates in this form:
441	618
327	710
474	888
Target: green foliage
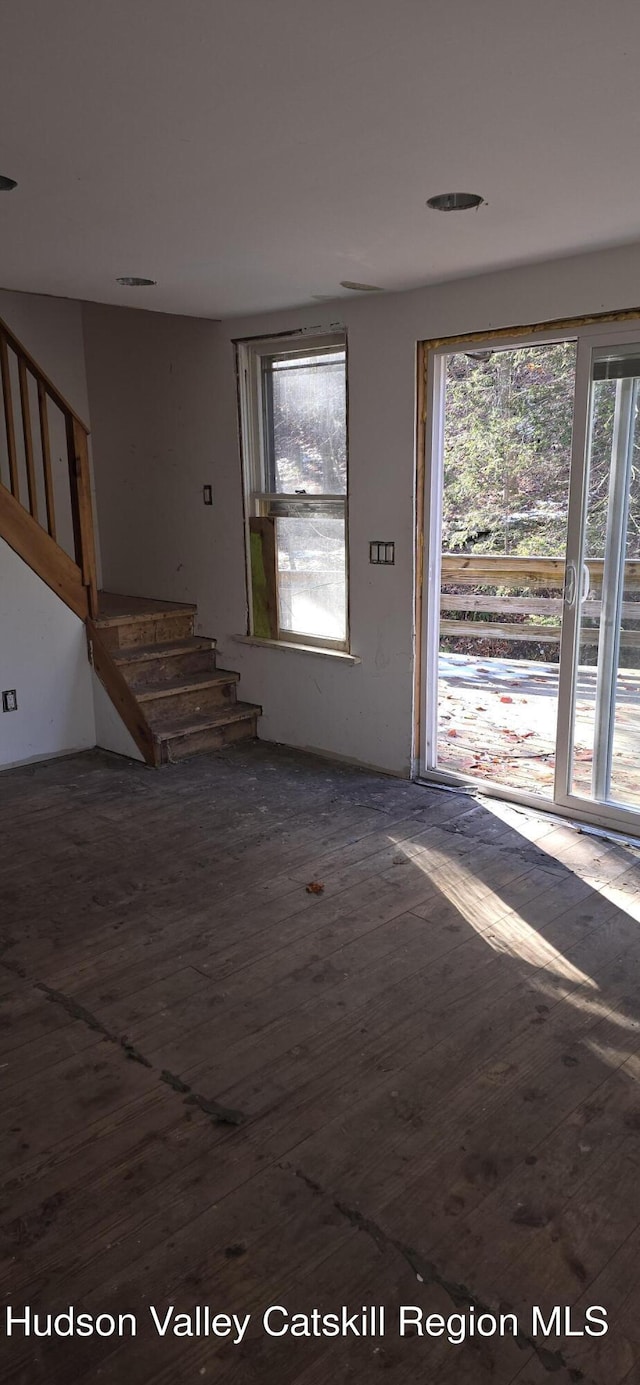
507	454
509	417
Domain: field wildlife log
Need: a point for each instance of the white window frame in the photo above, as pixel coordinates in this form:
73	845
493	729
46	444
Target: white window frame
258	498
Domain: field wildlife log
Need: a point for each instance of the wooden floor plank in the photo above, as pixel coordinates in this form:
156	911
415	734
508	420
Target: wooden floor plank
418	1085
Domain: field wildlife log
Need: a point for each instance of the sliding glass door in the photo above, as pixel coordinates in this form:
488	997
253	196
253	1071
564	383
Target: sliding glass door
599	719
532	585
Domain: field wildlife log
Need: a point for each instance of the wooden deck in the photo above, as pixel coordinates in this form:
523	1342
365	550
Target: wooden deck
417	1086
498	722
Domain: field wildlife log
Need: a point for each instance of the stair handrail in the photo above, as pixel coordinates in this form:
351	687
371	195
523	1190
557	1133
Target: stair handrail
77	433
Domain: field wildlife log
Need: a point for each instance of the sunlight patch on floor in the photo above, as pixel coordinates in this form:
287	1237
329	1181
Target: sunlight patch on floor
508	933
598	1007
616	1058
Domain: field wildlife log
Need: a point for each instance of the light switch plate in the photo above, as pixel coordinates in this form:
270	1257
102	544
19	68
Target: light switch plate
382	552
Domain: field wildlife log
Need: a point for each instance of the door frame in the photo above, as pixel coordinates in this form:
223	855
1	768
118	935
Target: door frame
588	331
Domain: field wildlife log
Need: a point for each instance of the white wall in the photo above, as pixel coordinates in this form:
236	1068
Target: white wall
164	412
43	655
51	329
153	393
111	732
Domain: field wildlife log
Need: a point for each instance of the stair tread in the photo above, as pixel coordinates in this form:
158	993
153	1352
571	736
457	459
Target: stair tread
190	682
182	726
140	653
114	609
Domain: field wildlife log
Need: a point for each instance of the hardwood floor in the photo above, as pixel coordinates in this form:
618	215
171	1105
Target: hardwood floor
418	1086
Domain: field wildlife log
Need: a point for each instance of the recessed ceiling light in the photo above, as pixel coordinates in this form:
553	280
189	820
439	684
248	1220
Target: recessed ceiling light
455	201
131	281
7	184
359	288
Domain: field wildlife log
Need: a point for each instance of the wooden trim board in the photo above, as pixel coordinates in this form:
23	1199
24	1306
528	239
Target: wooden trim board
124	701
33	544
264	590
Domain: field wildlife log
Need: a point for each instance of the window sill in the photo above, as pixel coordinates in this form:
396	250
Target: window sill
340	654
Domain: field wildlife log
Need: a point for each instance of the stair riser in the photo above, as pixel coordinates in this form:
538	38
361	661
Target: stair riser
213	739
127	634
149	672
161	710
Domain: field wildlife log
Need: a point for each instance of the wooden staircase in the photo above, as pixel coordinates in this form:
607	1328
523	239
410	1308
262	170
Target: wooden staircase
164	680
161	677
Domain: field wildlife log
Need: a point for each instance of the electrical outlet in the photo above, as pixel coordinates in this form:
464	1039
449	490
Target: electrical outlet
9	700
207	495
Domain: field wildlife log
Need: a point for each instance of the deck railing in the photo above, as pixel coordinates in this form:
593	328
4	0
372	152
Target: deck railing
540	576
45	507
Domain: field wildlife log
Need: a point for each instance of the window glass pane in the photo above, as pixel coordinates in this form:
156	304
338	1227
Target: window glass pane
607	702
305	408
312	577
508	419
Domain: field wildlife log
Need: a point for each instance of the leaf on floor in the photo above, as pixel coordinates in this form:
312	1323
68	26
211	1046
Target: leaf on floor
314	887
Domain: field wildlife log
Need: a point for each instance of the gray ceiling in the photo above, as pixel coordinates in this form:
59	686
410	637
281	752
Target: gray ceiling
249	154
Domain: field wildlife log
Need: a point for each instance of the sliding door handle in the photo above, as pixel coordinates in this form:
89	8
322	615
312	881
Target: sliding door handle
586	583
569	590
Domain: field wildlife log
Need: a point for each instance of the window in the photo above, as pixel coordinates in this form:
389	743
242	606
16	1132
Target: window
294	433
